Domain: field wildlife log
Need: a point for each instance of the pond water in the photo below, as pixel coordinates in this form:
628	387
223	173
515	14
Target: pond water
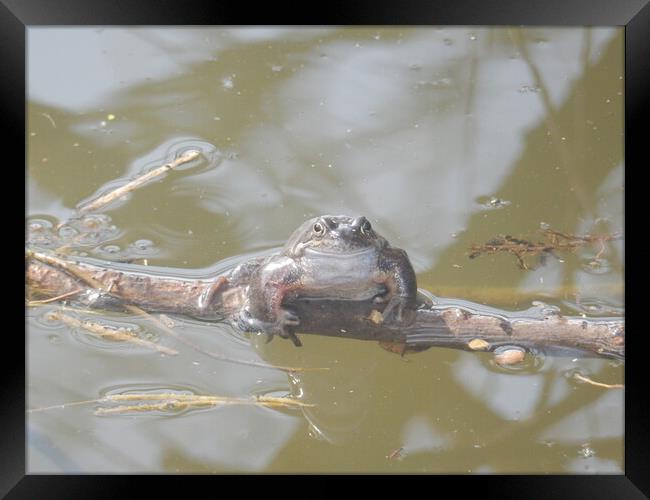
443	137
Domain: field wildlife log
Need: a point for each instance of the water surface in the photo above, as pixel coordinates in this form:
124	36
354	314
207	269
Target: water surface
442	137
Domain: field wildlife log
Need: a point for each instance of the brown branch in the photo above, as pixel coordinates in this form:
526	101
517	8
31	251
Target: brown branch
453	324
138	293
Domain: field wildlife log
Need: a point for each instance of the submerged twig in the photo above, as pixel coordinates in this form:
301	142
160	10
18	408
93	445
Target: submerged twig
175	401
137	182
556	242
33	303
221	357
110	333
597	384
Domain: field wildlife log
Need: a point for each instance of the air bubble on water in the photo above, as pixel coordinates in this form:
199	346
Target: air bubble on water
595	265
143	244
492	202
595	307
54	339
227	82
47	319
67	232
498	202
586	451
546	309
142	247
112	249
93	221
39	225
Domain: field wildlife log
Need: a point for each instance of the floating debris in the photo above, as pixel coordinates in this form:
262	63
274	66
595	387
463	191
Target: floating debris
587	380
555	241
175	402
170	401
509	357
104	200
396	454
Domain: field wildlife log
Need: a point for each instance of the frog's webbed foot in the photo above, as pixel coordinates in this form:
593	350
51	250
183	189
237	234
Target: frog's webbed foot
284	326
397	311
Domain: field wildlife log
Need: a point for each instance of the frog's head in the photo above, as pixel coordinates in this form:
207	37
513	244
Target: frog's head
334	234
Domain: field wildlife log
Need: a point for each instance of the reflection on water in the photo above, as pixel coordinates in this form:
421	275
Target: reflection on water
442	137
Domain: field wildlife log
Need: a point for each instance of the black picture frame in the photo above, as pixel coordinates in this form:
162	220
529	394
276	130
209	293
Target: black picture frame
16	16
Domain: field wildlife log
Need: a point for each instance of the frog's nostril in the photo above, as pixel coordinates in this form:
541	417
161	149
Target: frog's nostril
331	223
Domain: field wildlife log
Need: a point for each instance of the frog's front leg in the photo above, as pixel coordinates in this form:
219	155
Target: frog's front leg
268	288
395	272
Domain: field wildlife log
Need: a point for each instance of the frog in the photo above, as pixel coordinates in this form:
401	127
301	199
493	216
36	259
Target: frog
337	257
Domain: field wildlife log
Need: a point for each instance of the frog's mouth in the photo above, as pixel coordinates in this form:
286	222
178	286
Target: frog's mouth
339	253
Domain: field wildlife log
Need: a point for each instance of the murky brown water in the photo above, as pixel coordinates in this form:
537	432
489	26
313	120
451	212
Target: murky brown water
426	132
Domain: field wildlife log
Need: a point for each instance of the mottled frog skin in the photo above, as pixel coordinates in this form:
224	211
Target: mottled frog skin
328	257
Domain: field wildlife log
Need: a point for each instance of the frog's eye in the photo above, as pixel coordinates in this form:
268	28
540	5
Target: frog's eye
318	229
366	227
